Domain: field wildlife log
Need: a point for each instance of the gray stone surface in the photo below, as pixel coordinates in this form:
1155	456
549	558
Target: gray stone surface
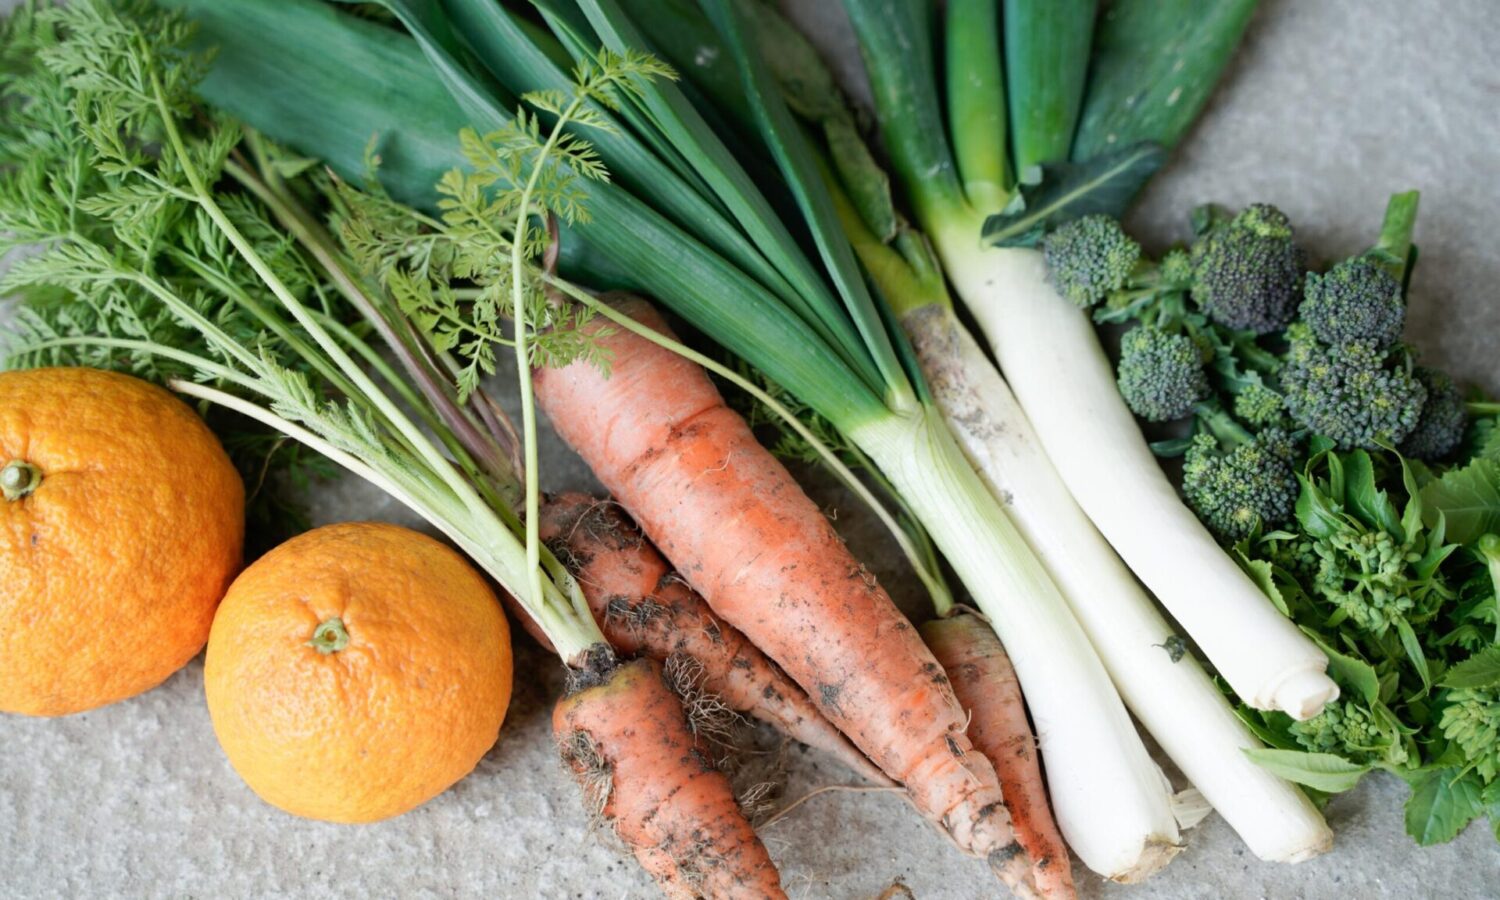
1332	105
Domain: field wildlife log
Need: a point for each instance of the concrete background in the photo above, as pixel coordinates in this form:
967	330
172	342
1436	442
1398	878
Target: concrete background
1332	105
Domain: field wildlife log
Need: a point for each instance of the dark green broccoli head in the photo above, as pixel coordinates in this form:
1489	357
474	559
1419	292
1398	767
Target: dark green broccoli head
1247	272
1161	374
1356	301
1444	419
1252	484
1351	395
1089	257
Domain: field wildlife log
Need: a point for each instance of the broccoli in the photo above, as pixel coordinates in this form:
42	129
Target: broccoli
1444	419
1247	271
1356	301
1351	395
1177	268
1161	374
1089	257
1258	405
1236	481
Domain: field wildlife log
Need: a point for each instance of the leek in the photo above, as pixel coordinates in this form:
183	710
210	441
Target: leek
1047	349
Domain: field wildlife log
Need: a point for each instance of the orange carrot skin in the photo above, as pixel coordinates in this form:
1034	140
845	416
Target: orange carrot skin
664	798
986	685
742	532
644	608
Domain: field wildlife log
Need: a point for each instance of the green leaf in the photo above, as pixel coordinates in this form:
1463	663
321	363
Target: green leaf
1155	63
1411	516
1367	502
1272	732
1442	802
1316	511
1414	653
1066	191
1263	574
1482	670
1323	771
1491	801
1348	671
1468	498
1046	57
897	45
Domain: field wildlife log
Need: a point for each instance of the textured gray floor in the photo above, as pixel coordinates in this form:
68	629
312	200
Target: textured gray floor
1333	104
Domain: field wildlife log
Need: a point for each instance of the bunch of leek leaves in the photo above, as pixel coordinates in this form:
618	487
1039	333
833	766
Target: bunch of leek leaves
745	242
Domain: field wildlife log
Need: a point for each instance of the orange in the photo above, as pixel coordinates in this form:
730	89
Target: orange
121	523
357	671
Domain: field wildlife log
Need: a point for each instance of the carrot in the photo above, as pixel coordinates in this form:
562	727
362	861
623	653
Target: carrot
626	738
740	530
986	685
645	608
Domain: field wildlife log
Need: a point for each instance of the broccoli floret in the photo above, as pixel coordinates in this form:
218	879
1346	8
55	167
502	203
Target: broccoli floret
1247	272
1472	721
1356	301
1351	394
1089	257
1161	374
1250	484
1258	405
1177	268
1444	419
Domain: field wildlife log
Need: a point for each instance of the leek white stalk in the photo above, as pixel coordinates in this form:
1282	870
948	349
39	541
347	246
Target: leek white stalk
1169	693
1051	356
1110	799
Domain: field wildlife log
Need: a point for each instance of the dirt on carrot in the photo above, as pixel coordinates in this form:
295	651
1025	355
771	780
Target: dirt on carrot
745	536
646	609
625	736
986	685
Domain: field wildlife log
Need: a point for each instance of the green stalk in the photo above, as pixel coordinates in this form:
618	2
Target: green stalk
523	350
976	101
895	38
1395	250
222	372
1047	46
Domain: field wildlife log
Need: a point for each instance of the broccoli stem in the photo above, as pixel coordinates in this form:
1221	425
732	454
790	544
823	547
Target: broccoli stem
1228	432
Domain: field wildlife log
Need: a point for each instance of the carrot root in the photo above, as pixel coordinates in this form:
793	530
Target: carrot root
764	557
644	608
986	685
627	741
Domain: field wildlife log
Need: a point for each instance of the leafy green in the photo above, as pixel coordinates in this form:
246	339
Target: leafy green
1468	498
1067	190
1321	771
1442	802
1482	670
